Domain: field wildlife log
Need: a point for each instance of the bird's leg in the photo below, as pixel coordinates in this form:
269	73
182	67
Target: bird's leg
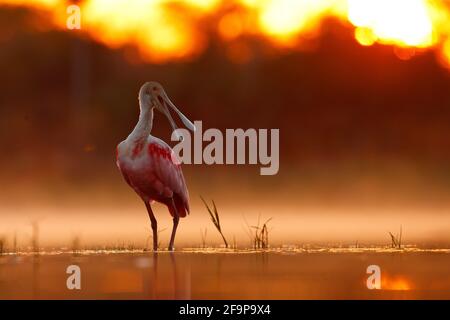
154	225
176	218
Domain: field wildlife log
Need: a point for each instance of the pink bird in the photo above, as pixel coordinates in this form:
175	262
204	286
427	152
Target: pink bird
149	165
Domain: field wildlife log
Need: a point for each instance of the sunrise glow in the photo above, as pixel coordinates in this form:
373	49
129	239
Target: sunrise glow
167	30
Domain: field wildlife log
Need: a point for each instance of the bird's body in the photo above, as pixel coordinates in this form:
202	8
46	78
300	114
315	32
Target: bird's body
149	165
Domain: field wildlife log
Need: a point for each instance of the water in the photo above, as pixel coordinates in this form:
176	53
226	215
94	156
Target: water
221	274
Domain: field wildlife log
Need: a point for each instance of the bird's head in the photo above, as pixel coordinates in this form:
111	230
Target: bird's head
152	95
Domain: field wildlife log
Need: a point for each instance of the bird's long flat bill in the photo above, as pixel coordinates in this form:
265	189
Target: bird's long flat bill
183	118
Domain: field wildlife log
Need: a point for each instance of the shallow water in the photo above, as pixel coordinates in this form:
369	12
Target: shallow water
220	274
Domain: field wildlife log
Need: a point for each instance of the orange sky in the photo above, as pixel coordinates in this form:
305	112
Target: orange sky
166	30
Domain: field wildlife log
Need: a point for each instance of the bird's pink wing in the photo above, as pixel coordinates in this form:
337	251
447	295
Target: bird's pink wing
168	172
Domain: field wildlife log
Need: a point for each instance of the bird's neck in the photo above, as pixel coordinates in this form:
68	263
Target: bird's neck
144	125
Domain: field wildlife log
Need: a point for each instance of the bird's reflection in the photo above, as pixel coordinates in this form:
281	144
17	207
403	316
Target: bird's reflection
35	276
165	279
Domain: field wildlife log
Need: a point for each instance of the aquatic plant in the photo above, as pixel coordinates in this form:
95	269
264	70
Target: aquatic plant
396	241
259	235
2	244
203	235
214	214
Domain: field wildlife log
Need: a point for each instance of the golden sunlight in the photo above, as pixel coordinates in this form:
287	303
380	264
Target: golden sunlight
167	30
284	19
446	53
36	3
160	34
400	22
396	283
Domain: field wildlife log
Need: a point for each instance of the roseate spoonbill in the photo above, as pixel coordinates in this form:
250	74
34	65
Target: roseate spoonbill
149	165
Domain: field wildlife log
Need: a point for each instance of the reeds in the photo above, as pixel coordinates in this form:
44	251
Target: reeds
261	238
35	237
215	218
203	235
150	237
259	235
76	248
2	245
15	242
396	241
